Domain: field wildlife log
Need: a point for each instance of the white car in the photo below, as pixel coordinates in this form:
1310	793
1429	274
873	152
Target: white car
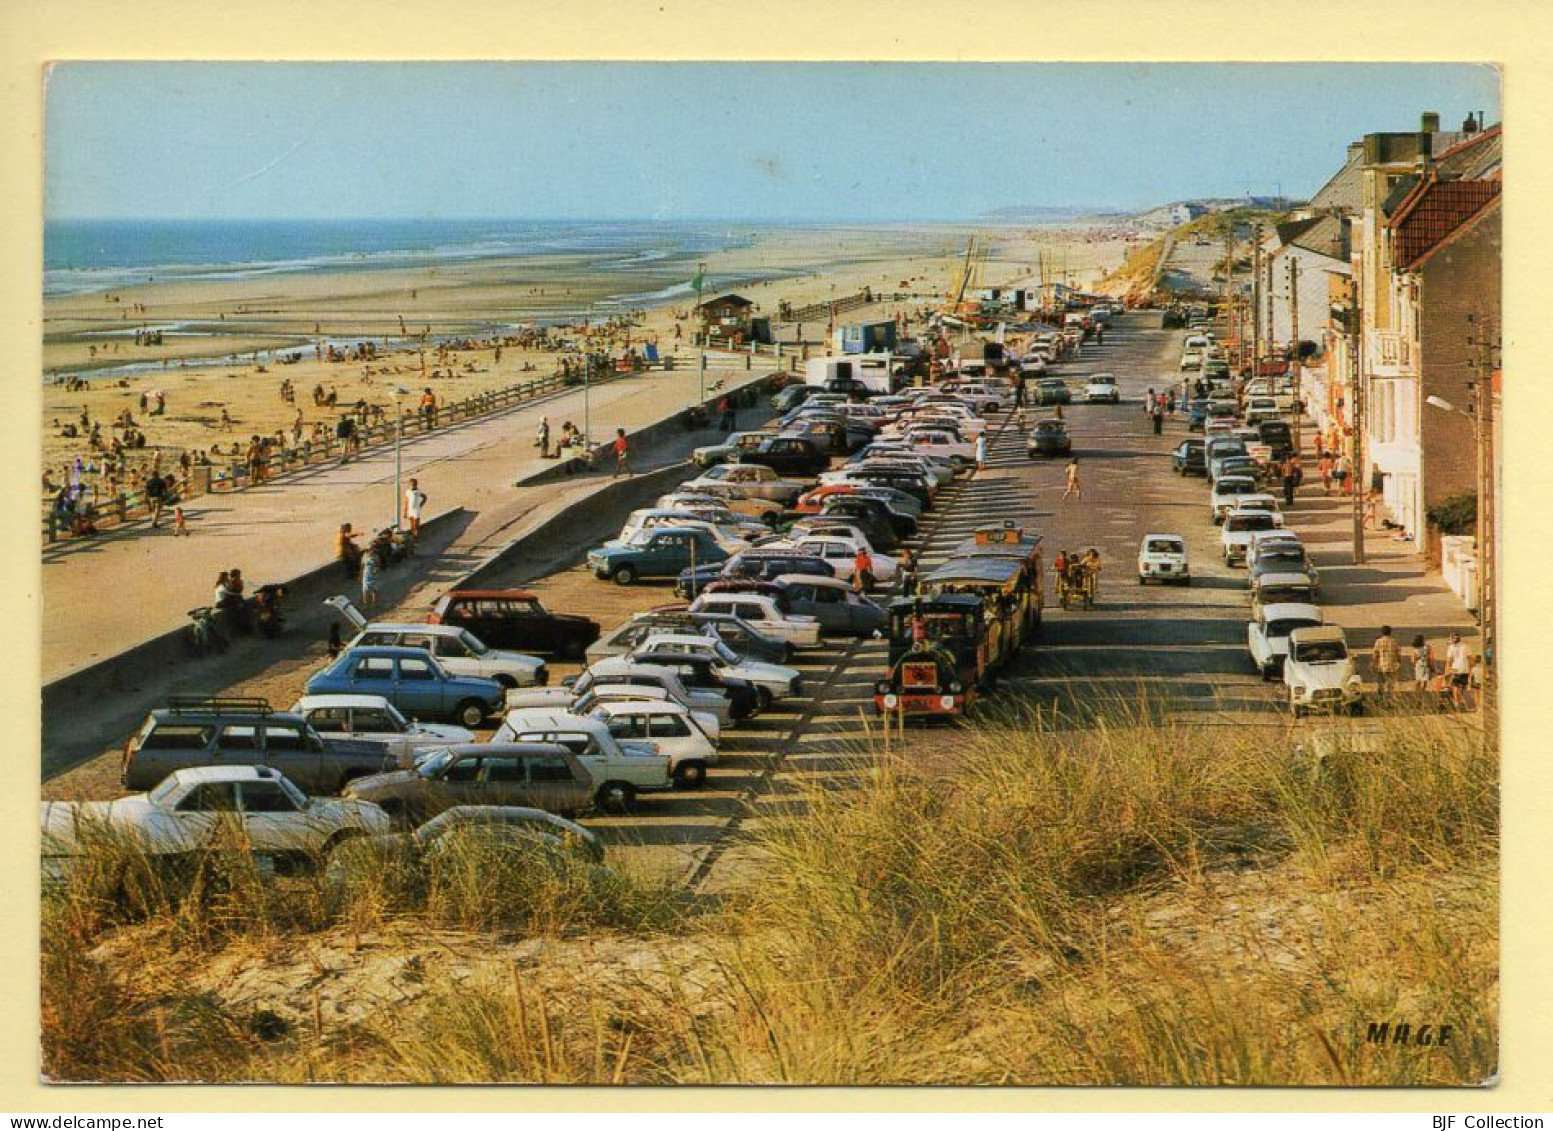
1239	526
840	553
1102	389
1191	359
746	481
1267	636
760	611
978	397
668	726
1261	502
637	521
609	694
773	681
1319	674
1222	499
1259	409
621	768
1162	557
940	442
1281	589
457	649
371	718
193	810
619	670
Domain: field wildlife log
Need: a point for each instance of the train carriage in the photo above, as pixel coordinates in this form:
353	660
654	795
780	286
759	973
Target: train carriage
1007	540
1004	587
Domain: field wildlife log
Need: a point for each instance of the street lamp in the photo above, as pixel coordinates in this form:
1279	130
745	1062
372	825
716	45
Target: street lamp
1484	521
399	391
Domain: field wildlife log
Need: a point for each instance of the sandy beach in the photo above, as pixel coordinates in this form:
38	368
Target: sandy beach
206	321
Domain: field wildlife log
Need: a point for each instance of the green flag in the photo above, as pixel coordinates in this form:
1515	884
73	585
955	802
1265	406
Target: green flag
698	282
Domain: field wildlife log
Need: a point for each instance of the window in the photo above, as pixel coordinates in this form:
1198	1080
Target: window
549	769
416	670
211	797
266	797
283	738
628	726
416	640
371	720
666	726
463	770
377	639
375	667
238	738
178	738
331	720
447	646
504	770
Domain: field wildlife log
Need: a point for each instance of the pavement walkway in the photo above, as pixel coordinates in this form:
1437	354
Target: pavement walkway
104	595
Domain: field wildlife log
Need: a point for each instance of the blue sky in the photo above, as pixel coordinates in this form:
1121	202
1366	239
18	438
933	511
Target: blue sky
710	141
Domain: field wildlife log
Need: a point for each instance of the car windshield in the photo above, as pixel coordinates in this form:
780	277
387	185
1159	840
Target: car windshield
1321	652
429	763
640	539
1278	629
475	645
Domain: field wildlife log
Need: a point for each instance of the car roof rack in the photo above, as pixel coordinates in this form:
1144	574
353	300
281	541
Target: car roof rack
219	704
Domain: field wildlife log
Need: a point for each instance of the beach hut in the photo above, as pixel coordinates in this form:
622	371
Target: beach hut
725	316
867	337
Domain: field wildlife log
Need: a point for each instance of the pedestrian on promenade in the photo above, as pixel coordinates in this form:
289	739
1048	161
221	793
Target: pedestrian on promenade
1019	391
909	574
1074	490
1148	403
346	552
1170	402
544	437
180	524
863	571
1385	661
1290	472
1158	416
1342	474
1423	666
981	452
369	568
1325	465
414	500
1458	670
156	495
622	454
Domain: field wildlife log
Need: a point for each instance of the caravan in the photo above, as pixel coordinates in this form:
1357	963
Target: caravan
871	370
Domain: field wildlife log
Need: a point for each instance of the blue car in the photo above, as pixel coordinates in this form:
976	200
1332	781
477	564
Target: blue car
413	681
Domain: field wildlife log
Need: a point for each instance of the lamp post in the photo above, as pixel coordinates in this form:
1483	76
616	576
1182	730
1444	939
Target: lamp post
399	391
1482	423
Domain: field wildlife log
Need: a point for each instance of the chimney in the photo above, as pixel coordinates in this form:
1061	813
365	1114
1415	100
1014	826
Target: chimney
1469	126
1430	123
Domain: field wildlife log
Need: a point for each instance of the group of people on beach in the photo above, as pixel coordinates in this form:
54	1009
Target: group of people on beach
1451	679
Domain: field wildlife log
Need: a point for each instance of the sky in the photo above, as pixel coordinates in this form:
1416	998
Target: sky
685	141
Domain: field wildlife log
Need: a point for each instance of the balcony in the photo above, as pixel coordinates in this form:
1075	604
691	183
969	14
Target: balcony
1388	354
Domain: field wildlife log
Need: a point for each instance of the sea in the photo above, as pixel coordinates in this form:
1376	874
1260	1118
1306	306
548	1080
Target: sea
91	256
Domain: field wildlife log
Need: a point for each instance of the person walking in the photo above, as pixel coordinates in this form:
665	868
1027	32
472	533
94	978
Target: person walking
1074	489
1158	417
156	495
1148	403
414	501
369	568
622	454
180	524
1019	391
544	437
1385	661
1423	665
909	574
981	452
1325	467
1458	670
863	571
1290	473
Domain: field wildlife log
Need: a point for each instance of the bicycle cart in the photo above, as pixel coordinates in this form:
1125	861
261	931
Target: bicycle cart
1077	586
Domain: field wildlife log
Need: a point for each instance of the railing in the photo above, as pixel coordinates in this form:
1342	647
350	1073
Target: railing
236	474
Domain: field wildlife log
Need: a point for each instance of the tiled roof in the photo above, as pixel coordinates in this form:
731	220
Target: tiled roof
1476	158
1345	191
1433	212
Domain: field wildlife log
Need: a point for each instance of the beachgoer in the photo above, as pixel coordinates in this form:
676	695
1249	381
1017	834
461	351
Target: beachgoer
622	453
863	571
1074	489
1423	664
981	452
369	568
346	551
180	523
544	437
1385	661
1458	669
414	500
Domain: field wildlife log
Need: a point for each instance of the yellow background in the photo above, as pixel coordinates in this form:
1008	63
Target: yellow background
1514	35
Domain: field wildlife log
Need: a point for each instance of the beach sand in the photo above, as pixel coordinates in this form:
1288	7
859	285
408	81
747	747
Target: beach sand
240	316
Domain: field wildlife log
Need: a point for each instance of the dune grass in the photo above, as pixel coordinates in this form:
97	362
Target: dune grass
1136	902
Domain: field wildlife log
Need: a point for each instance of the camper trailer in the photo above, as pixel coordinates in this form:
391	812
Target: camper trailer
872	369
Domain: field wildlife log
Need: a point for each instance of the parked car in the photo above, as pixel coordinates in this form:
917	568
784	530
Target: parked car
1049	438
620	768
457	649
1102	389
1260	409
1162	557
674	731
1281	556
762	612
371	718
1282	589
1225	491
412	680
713	454
760	562
1233	465
771	681
1260	502
1267	636
624	672
515	618
1052	390
206	809
199	731
531	775
744	639
884	526
663	551
1239	526
1319	674
1197	415
794	457
1187	459
834	604
748	480
646	519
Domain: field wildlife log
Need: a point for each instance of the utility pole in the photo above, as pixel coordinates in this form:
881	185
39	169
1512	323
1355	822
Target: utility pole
1481	336
1256	302
1294	347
